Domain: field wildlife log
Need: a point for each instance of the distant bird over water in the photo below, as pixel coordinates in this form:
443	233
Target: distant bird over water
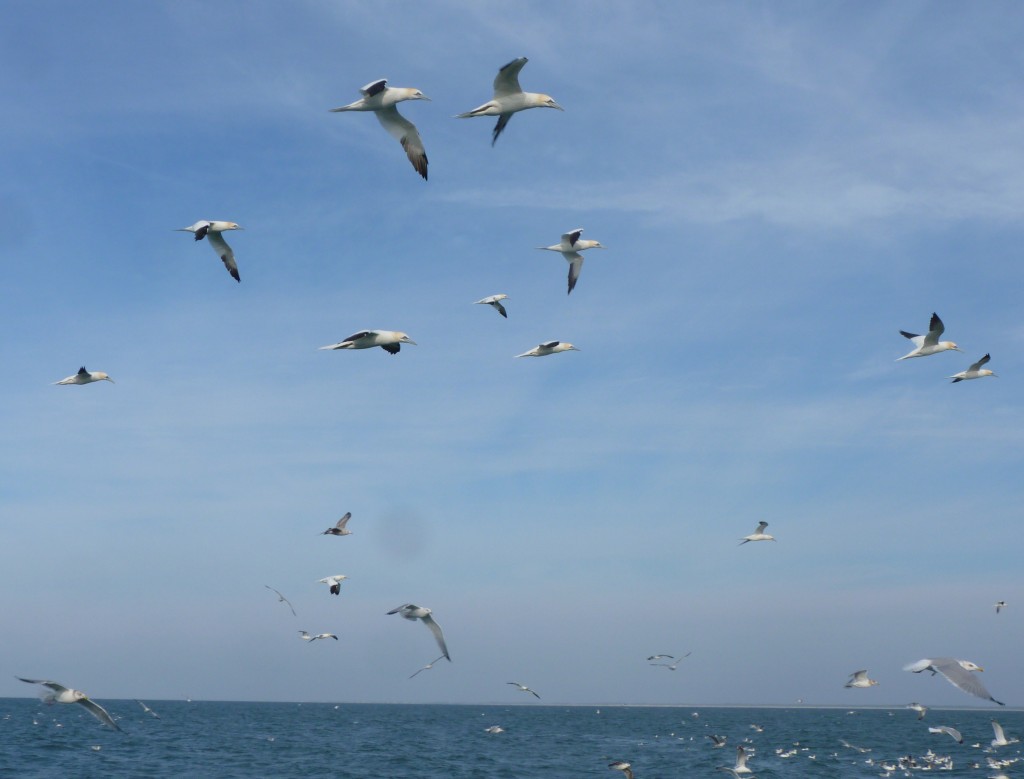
860	679
85	377
339	529
211	230
509	98
925	345
921	710
524	688
956	672
389	340
974	372
147	710
952	732
382	100
282	599
622	765
62	694
1000	739
494	301
414	612
570	247
757	535
549	347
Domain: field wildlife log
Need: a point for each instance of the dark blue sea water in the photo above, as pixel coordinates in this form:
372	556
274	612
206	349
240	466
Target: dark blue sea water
216	739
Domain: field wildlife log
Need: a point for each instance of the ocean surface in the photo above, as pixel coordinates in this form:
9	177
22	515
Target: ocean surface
220	739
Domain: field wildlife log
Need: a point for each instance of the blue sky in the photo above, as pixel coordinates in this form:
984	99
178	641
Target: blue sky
781	188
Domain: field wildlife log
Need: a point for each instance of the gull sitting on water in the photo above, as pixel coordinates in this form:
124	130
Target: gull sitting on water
622	765
757	535
549	347
494	729
334	582
494	301
930	343
308	637
414	612
85	377
382	100
339	529
282	599
62	694
389	340
1000	739
524	688
952	732
509	98
974	372
956	672
860	679
570	247
211	230
921	710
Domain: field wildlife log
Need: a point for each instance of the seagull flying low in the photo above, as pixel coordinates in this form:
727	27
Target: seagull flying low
62	694
494	301
930	343
509	98
524	688
414	612
1000	739
211	230
953	732
334	582
382	100
550	347
741	762
389	340
622	765
717	742
428	666
146	709
956	672
860	679
570	247
974	372
757	535
921	710
85	377
307	637
282	599
339	529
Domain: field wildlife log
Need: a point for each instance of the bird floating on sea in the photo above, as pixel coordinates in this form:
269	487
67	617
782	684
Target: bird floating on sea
382	100
85	377
211	230
860	679
389	340
509	98
334	582
570	247
549	347
925	345
494	301
339	529
62	694
414	612
757	535
524	688
974	372
956	672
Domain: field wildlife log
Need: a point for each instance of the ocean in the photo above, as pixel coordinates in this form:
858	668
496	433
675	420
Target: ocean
395	741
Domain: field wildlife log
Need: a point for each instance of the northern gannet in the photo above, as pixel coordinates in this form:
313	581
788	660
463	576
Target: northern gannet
85	377
211	230
389	340
570	247
930	343
509	98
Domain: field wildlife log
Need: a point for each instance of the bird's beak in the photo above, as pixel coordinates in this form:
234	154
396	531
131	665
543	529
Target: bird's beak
424	97
553	104
410	341
107	378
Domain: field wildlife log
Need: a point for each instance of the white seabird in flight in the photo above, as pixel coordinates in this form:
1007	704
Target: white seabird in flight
334	582
414	612
757	535
282	599
382	100
307	637
674	665
930	343
974	372
524	688
62	694
860	679
147	710
339	529
85	377
389	340
509	98
1000	739
494	301
211	230
570	247
921	710
428	666
550	347
956	672
622	765
741	762
717	742
952	732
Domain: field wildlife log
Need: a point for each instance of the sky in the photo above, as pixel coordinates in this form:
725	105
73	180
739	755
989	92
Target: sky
781	188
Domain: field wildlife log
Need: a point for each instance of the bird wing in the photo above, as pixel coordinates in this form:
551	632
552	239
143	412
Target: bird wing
224	252
958	676
859	675
399	608
374	87
438	635
741	758
572	236
979	363
998	730
500	308
82	371
405	132
391	348
98	712
507	81
935	330
575	260
499	127
550	344
917	340
52	685
761	527
344	520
